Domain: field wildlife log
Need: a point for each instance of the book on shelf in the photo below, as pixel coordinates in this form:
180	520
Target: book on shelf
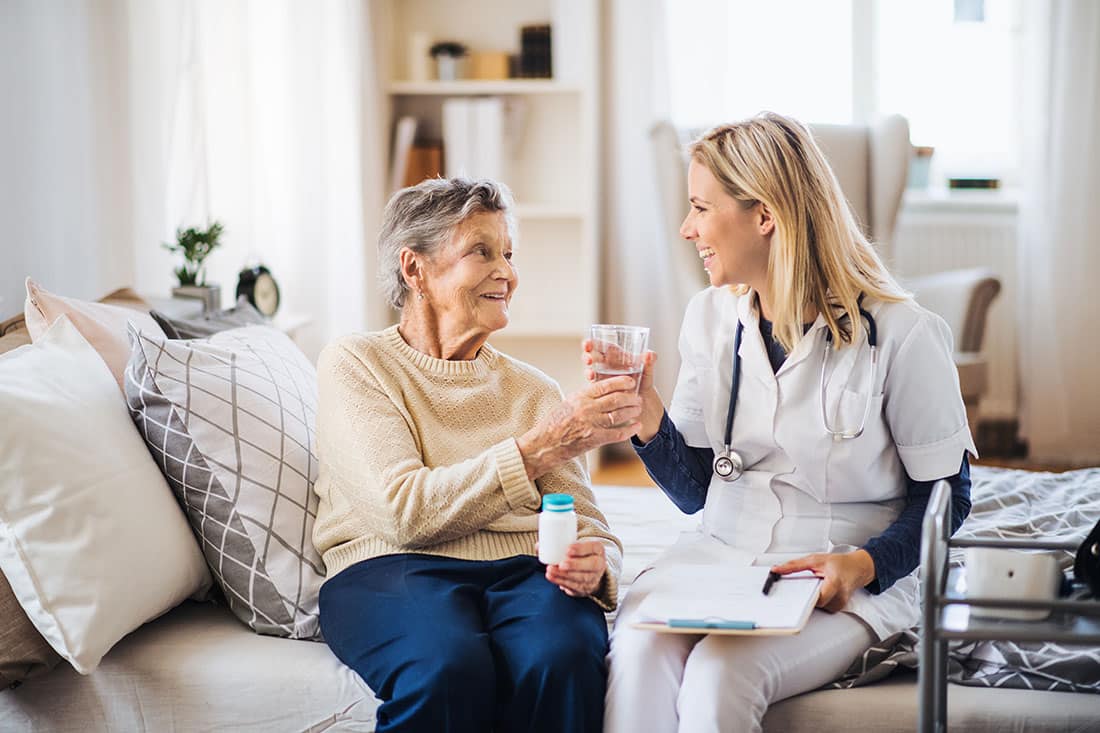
973	182
413	160
404	134
534	52
474	135
425	161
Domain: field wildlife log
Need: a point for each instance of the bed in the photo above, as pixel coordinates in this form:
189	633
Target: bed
198	668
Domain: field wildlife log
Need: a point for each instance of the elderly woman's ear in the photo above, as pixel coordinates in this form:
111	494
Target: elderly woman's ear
412	271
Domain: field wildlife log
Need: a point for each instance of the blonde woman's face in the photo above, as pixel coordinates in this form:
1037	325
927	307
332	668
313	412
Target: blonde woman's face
732	241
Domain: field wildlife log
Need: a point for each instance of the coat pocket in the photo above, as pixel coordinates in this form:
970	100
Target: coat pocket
860	468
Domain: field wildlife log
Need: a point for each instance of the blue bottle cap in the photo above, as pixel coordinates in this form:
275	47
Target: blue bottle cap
557	503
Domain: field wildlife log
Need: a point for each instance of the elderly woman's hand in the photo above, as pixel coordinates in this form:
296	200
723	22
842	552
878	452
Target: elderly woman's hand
601	413
580	573
653	408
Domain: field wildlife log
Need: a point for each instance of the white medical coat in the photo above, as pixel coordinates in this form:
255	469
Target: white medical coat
803	492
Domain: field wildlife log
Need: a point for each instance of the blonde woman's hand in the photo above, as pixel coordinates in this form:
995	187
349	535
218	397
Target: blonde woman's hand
652	406
580	573
603	412
842	573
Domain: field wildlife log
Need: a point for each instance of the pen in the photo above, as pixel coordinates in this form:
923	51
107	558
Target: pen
703	623
774	576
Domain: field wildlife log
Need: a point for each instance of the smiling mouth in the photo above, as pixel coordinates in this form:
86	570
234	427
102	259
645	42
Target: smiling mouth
499	297
705	255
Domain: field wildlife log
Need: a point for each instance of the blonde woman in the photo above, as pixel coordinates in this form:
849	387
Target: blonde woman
832	449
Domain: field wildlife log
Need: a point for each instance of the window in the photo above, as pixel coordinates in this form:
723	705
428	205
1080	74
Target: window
948	66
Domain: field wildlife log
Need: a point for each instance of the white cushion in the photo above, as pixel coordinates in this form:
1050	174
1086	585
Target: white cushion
91	539
231	420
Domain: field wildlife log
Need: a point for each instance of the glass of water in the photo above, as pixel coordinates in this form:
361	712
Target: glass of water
619	350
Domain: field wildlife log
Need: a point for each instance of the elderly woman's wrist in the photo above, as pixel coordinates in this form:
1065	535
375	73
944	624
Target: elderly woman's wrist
536	457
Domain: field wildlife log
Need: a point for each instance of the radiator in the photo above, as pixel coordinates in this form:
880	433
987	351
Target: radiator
937	235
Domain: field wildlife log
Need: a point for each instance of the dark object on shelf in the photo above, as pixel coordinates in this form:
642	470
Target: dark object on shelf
986	183
1086	566
534	52
447	48
259	287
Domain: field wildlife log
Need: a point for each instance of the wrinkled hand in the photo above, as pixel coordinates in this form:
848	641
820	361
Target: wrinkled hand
597	352
843	573
603	412
580	573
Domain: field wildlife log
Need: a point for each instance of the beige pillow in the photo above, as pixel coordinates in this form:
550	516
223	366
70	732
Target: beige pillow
103	325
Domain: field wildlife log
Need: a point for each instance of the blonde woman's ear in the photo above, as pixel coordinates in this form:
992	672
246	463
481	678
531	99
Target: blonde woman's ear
767	221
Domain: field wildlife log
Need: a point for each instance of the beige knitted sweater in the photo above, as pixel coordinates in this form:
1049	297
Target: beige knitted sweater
419	454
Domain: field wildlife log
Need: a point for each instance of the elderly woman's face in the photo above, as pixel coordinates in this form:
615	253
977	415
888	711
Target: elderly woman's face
471	281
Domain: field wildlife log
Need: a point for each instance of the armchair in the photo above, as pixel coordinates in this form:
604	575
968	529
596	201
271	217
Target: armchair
871	162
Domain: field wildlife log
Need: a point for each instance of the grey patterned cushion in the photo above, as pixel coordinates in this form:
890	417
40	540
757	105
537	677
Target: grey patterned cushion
242	314
230	420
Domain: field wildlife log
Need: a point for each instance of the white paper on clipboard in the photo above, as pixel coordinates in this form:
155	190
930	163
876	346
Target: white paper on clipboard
715	594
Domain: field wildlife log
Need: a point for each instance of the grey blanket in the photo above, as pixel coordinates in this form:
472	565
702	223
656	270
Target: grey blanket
1009	504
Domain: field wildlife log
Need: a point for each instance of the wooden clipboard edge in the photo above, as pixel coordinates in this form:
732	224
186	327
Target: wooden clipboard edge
781	631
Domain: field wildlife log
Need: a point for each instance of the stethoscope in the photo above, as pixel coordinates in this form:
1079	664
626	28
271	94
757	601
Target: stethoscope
728	464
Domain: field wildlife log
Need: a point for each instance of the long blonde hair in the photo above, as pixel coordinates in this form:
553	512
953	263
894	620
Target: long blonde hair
819	255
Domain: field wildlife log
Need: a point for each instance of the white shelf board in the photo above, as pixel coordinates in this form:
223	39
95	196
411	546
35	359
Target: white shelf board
965	201
548	211
483	86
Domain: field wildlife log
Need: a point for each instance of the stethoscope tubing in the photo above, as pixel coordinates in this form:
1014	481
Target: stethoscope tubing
728	464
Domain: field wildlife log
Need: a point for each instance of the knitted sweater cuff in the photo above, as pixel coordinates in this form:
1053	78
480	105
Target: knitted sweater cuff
519	491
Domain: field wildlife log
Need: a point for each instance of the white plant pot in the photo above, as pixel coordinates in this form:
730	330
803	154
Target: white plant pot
447	67
210	295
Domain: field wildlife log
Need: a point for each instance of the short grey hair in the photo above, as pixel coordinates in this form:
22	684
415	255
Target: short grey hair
424	217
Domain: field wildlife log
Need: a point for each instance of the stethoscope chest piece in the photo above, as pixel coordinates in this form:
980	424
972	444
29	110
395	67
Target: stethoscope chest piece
728	465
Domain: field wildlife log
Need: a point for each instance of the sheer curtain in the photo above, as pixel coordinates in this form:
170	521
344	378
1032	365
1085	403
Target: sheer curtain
264	115
640	283
1060	234
64	149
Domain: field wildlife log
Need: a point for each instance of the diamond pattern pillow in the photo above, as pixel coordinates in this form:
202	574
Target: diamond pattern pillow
230	421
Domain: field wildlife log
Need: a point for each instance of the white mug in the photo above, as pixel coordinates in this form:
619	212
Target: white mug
997	573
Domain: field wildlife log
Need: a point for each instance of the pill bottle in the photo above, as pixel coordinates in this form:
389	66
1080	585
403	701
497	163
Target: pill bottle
557	528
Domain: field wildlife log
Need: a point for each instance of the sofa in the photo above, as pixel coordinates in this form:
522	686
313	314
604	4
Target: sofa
199	667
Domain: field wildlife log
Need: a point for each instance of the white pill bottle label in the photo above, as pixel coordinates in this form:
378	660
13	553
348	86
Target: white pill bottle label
557	528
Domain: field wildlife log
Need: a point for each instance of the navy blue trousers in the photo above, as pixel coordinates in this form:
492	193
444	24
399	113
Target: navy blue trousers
459	645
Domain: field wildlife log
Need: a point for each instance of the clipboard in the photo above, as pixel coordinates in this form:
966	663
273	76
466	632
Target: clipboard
729	601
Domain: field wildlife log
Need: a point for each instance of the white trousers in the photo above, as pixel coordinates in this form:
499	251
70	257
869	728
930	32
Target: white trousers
694	683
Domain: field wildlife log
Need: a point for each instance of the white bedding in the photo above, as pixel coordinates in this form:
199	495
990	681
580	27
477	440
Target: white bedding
199	669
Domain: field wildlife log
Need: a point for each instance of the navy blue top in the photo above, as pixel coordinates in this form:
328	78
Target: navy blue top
684	474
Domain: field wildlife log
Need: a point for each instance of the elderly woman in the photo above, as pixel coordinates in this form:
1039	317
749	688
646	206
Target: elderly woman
435	452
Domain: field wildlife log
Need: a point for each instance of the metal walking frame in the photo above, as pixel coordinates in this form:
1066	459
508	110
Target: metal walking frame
1075	622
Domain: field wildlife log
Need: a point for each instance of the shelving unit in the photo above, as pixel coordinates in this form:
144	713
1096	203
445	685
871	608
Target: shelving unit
553	169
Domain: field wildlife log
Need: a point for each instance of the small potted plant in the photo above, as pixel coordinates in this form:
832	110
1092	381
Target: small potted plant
447	55
196	245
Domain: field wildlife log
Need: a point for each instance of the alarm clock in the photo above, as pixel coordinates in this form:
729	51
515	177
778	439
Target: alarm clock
257	284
